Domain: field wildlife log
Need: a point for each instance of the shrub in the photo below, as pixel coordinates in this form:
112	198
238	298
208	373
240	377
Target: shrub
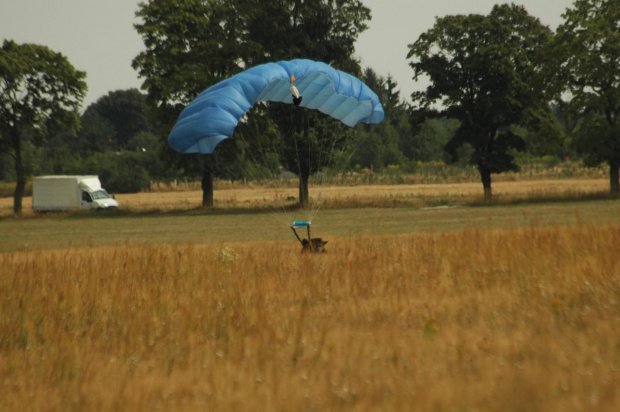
119	172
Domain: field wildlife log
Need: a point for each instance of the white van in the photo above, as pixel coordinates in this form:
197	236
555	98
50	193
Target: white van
56	193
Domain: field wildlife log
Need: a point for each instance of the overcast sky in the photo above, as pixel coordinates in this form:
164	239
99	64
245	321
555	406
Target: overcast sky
97	36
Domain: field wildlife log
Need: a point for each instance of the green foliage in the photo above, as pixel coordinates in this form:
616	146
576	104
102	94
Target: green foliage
40	89
367	150
111	123
40	92
191	45
114	119
482	69
254	150
97	150
96	134
308	139
378	147
324	30
597	141
551	136
587	51
121	172
317	29
429	142
486	101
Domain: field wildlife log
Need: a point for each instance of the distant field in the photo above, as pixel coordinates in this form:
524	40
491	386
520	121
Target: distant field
366	195
262	198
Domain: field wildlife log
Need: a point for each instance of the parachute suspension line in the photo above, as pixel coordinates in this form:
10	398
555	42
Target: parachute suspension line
284	209
326	152
310	139
274	209
294	130
316	146
302	128
316	203
337	169
297	155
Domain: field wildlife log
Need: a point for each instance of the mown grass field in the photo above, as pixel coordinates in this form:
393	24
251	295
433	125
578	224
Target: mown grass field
102	229
510	307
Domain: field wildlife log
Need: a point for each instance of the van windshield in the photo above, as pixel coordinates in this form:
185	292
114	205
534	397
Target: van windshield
100	194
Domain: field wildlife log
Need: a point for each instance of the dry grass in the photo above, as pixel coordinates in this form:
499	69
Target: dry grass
416	195
521	319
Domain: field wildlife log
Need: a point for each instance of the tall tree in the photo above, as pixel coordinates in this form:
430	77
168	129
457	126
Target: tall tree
112	122
482	70
588	47
190	45
430	138
324	30
126	111
97	134
39	91
381	145
193	44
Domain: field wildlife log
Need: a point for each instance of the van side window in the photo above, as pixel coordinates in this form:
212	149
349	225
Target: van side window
86	197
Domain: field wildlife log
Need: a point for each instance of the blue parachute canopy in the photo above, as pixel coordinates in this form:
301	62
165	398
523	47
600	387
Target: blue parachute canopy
214	114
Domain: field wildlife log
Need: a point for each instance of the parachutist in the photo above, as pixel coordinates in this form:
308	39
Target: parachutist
314	245
296	95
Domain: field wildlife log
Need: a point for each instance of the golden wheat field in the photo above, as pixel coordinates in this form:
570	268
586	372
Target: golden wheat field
512	319
417	195
367	195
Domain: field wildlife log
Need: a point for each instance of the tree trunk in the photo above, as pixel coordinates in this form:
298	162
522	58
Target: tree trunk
614	180
207	181
303	188
21	179
485	176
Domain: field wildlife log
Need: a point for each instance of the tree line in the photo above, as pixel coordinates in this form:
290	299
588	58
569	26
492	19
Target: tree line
498	84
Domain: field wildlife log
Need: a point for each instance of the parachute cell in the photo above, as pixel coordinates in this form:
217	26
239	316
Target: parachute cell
214	114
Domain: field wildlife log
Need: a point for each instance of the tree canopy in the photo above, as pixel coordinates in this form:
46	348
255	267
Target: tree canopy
40	91
191	45
323	30
587	53
482	71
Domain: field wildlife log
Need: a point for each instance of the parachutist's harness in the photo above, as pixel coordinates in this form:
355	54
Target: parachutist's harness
315	245
296	95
